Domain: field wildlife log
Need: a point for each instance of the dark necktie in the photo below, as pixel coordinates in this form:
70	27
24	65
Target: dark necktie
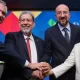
66	34
28	47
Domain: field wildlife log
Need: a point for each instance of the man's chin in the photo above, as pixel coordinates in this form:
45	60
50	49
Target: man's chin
63	23
26	32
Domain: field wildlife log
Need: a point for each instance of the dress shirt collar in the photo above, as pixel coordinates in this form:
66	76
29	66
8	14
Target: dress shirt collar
61	28
31	37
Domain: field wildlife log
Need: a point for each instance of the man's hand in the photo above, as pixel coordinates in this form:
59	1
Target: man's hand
35	66
45	67
37	74
49	73
42	69
42	66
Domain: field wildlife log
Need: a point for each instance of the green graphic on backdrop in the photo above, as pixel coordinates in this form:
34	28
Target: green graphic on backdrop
51	22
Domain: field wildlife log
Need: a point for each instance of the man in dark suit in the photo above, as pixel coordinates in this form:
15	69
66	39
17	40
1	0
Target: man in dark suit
3	12
24	51
60	40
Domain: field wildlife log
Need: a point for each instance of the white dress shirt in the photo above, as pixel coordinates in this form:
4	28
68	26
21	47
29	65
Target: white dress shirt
68	30
33	50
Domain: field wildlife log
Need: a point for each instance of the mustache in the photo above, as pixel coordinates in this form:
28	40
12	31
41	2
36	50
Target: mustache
25	25
61	18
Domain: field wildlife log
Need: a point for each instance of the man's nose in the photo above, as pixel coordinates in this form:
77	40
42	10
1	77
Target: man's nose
62	15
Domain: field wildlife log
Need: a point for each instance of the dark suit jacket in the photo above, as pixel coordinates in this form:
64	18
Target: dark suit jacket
57	48
17	55
3	49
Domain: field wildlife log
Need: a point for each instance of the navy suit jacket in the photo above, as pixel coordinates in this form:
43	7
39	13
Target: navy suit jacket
58	48
17	54
3	49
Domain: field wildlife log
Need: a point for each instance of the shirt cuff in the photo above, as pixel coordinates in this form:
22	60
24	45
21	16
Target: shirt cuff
26	63
52	70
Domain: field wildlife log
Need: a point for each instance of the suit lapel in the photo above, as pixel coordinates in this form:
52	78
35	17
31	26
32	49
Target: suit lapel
23	45
73	35
58	36
37	46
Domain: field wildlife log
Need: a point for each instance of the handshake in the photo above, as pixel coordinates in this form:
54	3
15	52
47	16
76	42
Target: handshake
40	70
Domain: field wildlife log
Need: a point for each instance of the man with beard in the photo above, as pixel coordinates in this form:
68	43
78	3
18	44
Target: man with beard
25	50
60	40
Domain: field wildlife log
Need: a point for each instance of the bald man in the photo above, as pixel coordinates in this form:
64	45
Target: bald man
60	40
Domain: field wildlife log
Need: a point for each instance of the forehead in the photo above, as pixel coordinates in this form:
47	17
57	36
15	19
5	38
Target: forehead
25	16
62	8
2	7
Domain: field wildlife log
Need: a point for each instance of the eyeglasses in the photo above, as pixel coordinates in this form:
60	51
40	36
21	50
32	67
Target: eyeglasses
4	13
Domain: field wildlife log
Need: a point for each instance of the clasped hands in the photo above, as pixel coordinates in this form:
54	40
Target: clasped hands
40	70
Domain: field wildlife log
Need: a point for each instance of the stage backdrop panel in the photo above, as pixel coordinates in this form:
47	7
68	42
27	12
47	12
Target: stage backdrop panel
43	20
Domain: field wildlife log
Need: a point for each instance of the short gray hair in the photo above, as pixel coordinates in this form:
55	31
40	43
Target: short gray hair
4	3
26	12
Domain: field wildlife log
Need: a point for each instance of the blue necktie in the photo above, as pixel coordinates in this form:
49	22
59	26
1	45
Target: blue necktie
66	34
